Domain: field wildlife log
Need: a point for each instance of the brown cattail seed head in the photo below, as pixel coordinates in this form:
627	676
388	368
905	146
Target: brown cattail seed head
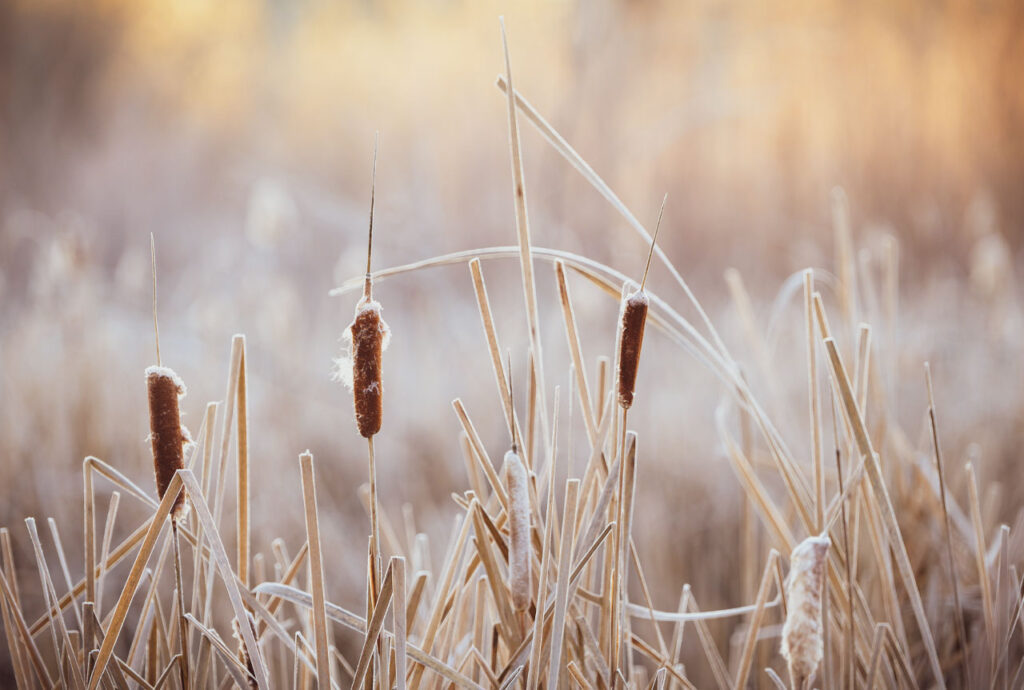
368	335
519	530
167	436
243	653
632	319
802	645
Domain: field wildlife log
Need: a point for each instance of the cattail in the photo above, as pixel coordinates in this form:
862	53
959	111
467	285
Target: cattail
368	337
167	435
519	530
632	319
802	645
243	653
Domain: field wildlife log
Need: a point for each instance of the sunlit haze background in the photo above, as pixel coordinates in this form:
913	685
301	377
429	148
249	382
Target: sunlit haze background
240	134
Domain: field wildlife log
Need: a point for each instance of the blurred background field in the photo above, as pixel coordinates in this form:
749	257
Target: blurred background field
240	134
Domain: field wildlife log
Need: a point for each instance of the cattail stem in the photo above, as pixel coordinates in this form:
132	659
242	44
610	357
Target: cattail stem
374	526
182	623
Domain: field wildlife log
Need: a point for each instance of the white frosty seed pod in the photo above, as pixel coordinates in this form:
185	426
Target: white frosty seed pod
519	530
802	645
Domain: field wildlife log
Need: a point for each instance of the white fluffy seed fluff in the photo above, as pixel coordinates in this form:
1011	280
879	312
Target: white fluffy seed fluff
343	365
519	530
802	645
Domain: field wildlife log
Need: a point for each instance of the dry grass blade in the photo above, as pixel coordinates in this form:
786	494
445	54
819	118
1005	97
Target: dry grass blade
576	352
243	467
746	660
562	588
500	376
373	629
525	250
323	664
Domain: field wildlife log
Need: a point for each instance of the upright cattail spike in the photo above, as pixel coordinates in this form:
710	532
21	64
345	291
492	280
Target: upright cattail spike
156	328
167	435
511	405
632	320
802	642
368	284
368	336
654	240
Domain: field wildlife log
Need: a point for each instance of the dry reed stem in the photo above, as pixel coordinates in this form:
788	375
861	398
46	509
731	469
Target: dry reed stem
482	457
533	669
90	533
316	566
499	592
885	507
562	588
845	257
62	559
235	669
230	398
108	533
243	468
493	347
390	536
373	628
576	353
182	627
399	622
961	628
817	460
979	555
747	658
718	667
525	251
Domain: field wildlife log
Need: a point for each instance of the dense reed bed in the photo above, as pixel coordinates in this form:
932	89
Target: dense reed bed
861	564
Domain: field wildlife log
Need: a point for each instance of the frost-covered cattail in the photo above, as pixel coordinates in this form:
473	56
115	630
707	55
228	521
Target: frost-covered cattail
243	653
168	437
519	530
802	645
368	337
632	320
